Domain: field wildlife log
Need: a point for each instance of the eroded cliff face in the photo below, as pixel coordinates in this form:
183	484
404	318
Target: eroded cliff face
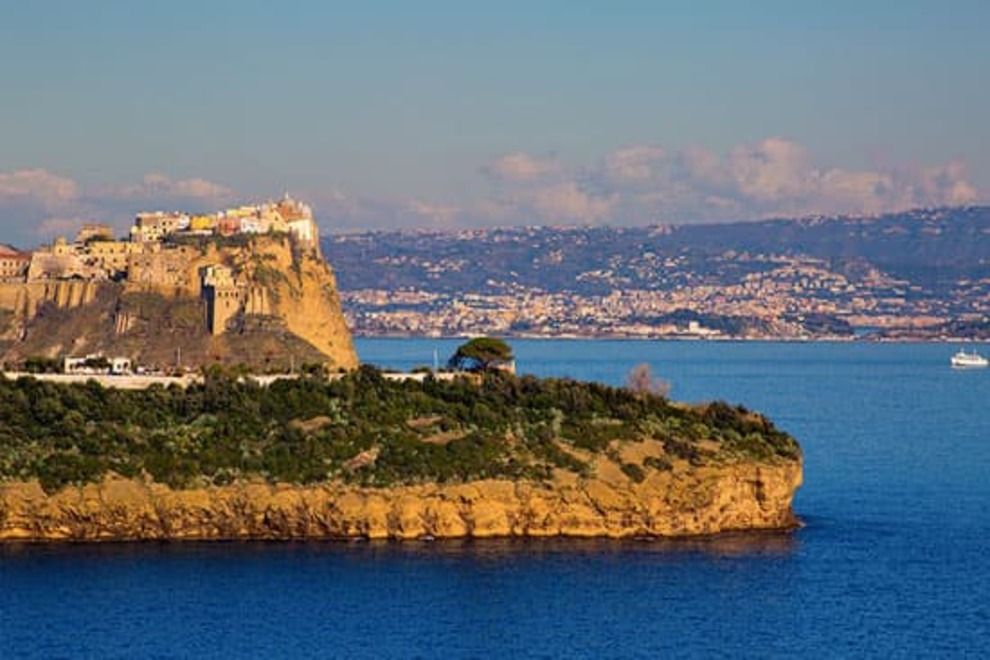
288	311
682	502
301	290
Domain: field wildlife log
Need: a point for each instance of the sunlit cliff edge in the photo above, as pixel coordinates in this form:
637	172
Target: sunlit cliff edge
685	501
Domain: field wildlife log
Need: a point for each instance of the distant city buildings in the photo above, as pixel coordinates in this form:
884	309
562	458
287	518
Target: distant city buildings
441	285
551	282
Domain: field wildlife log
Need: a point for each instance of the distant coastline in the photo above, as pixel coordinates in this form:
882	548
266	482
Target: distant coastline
918	275
864	339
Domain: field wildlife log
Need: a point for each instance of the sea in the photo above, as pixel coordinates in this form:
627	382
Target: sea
892	561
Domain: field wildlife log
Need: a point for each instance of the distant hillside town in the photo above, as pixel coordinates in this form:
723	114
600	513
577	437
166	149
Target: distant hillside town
921	274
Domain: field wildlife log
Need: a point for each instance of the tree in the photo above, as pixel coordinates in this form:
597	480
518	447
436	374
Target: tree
640	380
42	365
481	354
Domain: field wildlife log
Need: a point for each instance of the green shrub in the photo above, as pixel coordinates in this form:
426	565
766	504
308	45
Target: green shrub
633	471
658	463
310	429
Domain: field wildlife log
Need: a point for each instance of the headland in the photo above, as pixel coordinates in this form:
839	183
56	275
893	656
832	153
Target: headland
230	405
362	456
248	285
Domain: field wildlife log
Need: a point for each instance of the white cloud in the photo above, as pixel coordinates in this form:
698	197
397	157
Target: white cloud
567	202
35	203
772	170
639	184
52	227
635	164
37	186
521	168
700	164
438	215
948	182
158	186
857	192
635	184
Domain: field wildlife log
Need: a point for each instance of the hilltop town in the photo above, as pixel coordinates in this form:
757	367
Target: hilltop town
249	271
158	251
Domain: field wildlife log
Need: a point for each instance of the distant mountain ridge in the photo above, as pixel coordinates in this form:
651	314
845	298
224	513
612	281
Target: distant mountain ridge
930	247
797	277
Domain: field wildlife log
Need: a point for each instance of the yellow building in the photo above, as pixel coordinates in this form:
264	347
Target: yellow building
202	222
112	256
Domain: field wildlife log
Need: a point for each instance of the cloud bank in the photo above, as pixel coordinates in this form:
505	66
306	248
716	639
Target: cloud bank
646	183
637	184
37	205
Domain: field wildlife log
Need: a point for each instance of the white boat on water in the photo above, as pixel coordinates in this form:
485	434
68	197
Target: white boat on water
964	360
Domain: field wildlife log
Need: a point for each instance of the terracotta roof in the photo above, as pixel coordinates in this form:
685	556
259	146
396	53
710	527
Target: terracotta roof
8	252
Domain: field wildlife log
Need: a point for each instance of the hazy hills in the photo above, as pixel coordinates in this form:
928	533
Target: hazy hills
922	274
930	248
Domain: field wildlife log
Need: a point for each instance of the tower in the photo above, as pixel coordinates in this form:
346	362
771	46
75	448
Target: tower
222	296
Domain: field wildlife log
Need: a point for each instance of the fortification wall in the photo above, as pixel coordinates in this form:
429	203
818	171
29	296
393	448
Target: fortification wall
26	298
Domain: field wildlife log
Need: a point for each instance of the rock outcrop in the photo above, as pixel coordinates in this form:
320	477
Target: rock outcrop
680	502
282	308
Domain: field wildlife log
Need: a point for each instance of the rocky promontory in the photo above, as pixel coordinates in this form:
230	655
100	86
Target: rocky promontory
268	301
362	455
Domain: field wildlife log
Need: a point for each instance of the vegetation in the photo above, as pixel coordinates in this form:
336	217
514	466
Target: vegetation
42	365
237	240
481	354
640	380
359	428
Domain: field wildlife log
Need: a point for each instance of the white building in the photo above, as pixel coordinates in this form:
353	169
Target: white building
88	365
304	230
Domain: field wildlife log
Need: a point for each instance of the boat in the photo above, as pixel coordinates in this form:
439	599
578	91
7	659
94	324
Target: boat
964	360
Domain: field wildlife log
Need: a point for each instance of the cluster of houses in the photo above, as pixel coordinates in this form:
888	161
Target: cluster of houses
286	216
148	254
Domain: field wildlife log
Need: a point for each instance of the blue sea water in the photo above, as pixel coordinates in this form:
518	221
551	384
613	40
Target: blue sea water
893	560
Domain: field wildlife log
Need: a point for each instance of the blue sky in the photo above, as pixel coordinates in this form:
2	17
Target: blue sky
388	114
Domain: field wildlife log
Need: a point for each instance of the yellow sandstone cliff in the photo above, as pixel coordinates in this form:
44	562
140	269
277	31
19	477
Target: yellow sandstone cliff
683	502
284	309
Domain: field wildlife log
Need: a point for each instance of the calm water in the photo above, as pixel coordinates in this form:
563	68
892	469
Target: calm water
894	560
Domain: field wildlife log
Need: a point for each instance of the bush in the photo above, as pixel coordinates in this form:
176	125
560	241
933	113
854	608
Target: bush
633	471
658	463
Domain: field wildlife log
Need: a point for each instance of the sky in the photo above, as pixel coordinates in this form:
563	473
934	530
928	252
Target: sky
461	114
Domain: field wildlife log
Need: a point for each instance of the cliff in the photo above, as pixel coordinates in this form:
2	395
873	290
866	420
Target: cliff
280	308
686	501
363	455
